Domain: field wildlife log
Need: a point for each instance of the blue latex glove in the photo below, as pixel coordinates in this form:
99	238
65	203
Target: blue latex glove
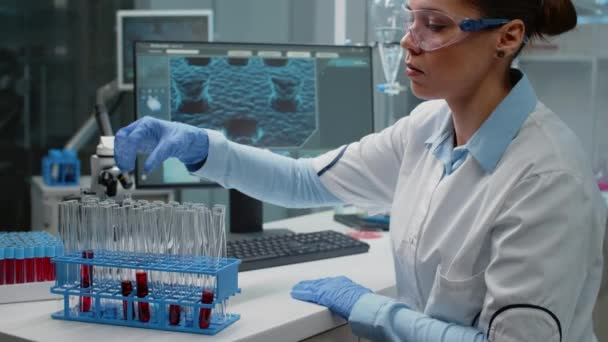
162	140
339	294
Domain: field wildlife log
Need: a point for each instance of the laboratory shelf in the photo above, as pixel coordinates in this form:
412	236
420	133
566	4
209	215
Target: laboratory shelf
88	282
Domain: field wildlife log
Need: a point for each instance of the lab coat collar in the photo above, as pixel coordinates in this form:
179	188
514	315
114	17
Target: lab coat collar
491	140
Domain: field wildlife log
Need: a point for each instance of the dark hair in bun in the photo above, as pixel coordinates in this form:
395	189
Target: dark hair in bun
541	17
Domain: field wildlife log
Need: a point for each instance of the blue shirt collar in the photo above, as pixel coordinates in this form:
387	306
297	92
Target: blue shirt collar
491	140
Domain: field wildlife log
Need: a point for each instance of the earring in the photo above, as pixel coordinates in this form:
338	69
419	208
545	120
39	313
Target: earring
500	54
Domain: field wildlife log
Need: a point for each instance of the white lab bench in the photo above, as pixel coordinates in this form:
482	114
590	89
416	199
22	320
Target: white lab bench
268	313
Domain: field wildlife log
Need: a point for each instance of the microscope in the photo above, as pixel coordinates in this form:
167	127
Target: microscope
106	178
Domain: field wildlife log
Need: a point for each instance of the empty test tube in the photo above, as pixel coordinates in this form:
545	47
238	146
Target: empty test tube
219	215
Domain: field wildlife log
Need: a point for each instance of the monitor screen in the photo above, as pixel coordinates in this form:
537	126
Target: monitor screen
158	25
296	100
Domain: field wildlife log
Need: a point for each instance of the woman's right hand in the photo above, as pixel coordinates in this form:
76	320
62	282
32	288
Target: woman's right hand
162	140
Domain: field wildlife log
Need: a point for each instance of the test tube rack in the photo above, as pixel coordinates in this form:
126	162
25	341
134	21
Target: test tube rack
26	272
159	297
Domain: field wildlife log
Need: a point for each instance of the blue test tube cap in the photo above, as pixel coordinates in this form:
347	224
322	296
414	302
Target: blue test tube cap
29	252
19	252
69	154
39	251
55	154
9	252
49	251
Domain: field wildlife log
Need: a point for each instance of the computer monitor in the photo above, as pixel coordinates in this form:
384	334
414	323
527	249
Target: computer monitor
160	25
296	100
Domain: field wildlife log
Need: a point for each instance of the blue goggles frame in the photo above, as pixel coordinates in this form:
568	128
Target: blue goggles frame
476	25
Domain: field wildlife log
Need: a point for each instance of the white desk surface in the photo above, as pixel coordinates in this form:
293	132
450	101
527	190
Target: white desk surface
268	313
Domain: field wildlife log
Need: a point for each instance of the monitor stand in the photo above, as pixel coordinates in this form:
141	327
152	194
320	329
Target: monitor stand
247	219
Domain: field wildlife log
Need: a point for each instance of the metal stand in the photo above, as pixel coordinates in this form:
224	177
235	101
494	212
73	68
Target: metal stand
87	130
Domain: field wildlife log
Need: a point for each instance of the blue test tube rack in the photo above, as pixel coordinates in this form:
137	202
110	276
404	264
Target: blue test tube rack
225	271
61	168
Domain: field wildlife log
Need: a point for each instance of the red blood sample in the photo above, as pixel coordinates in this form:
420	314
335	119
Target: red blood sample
49	267
143	308
51	274
30	274
9	271
2	264
204	315
86	281
39	262
2	271
19	271
127	288
40	271
173	314
46	266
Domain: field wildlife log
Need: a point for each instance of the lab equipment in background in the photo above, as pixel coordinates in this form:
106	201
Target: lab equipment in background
61	168
133	25
26	273
156	25
592	11
105	175
176	261
364	222
285	97
388	25
601	173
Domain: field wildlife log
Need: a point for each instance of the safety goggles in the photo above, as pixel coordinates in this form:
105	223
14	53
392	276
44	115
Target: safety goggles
431	30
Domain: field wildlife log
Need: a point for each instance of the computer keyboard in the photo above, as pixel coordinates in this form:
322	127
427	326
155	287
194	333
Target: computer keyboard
285	249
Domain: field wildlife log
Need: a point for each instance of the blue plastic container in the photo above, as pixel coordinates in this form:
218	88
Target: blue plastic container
106	292
61	168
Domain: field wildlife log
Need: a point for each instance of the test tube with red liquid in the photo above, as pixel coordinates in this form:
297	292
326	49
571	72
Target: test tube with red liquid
174	312
9	265
49	268
143	308
30	272
126	288
86	281
63	267
204	317
2	265
19	265
39	262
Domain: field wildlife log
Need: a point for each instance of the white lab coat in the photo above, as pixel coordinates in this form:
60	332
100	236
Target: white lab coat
516	252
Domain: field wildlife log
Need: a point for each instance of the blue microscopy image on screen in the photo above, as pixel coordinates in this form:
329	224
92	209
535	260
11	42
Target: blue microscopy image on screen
255	101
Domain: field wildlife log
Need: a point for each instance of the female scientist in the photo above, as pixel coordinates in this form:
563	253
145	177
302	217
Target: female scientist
497	224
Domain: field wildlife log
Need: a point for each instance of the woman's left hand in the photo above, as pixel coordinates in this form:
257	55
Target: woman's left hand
339	294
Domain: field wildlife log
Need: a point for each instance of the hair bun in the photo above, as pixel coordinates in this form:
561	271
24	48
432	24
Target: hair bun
556	17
